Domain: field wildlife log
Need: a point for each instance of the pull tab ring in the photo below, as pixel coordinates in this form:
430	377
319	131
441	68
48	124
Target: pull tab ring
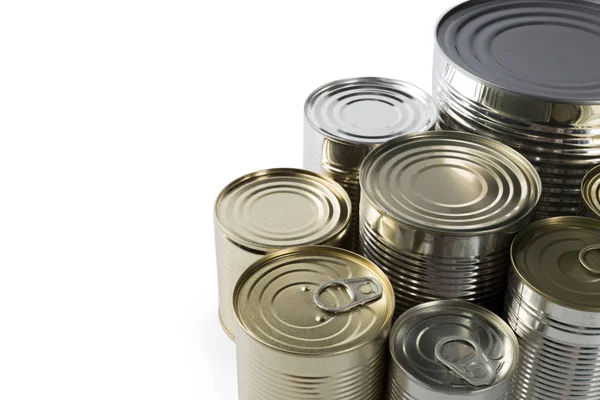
361	291
477	370
586	265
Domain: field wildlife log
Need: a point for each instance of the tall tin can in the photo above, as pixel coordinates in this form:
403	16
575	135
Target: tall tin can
590	194
451	350
313	323
438	213
270	210
553	305
525	73
346	119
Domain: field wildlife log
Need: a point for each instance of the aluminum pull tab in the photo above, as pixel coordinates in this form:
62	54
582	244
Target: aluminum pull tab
475	368
361	291
595	269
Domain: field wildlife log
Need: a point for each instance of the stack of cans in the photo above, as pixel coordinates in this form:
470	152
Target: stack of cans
526	73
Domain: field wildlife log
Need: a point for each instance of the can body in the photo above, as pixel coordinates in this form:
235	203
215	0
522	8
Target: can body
346	119
590	194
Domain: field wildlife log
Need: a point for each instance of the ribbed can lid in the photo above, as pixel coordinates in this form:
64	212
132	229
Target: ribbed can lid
293	300
548	49
559	258
590	190
369	110
284	207
454	347
451	182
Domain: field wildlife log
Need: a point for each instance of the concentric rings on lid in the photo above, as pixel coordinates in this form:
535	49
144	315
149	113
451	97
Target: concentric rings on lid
547	49
369	110
560	259
450	181
590	191
284	207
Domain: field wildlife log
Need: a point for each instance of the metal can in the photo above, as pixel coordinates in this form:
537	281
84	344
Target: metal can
525	73
270	210
346	119
590	194
553	305
452	350
438	213
313	323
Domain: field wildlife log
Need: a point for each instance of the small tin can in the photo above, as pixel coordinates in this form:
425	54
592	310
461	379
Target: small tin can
346	119
553	305
313	323
438	213
452	350
590	194
269	210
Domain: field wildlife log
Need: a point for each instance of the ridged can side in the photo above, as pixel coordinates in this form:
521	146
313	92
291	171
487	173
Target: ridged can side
590	194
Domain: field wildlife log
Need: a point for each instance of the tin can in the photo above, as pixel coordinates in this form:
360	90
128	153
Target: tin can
524	73
438	213
346	119
590	194
451	349
269	210
313	323
553	305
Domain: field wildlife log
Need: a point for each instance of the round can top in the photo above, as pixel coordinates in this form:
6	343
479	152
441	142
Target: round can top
369	110
590	190
284	207
450	182
313	300
559	258
454	346
548	49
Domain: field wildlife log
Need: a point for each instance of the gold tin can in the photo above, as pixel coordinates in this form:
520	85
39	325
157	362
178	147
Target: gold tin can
590	194
313	323
270	210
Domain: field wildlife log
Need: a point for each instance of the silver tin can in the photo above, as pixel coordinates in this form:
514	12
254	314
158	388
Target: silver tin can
313	323
346	119
553	305
590	194
439	211
270	210
451	350
525	73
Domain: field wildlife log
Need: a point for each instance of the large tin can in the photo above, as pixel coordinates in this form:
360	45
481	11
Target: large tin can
553	305
346	119
590	194
313	323
451	350
525	73
269	210
438	213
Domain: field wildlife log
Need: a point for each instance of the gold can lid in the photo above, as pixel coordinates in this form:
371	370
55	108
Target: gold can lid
313	300
590	190
285	207
559	258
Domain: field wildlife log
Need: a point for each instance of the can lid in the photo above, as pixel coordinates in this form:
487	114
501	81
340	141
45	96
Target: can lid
283	207
450	182
547	49
454	346
313	300
590	190
560	259
369	110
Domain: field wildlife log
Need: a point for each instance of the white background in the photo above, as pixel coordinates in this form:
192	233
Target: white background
120	121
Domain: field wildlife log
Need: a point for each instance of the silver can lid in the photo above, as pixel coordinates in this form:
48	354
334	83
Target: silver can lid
590	190
548	49
369	110
559	258
452	182
453	347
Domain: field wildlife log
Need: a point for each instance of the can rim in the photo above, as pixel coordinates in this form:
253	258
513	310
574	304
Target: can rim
386	284
592	204
339	192
468	3
510	153
565	221
415	91
499	322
